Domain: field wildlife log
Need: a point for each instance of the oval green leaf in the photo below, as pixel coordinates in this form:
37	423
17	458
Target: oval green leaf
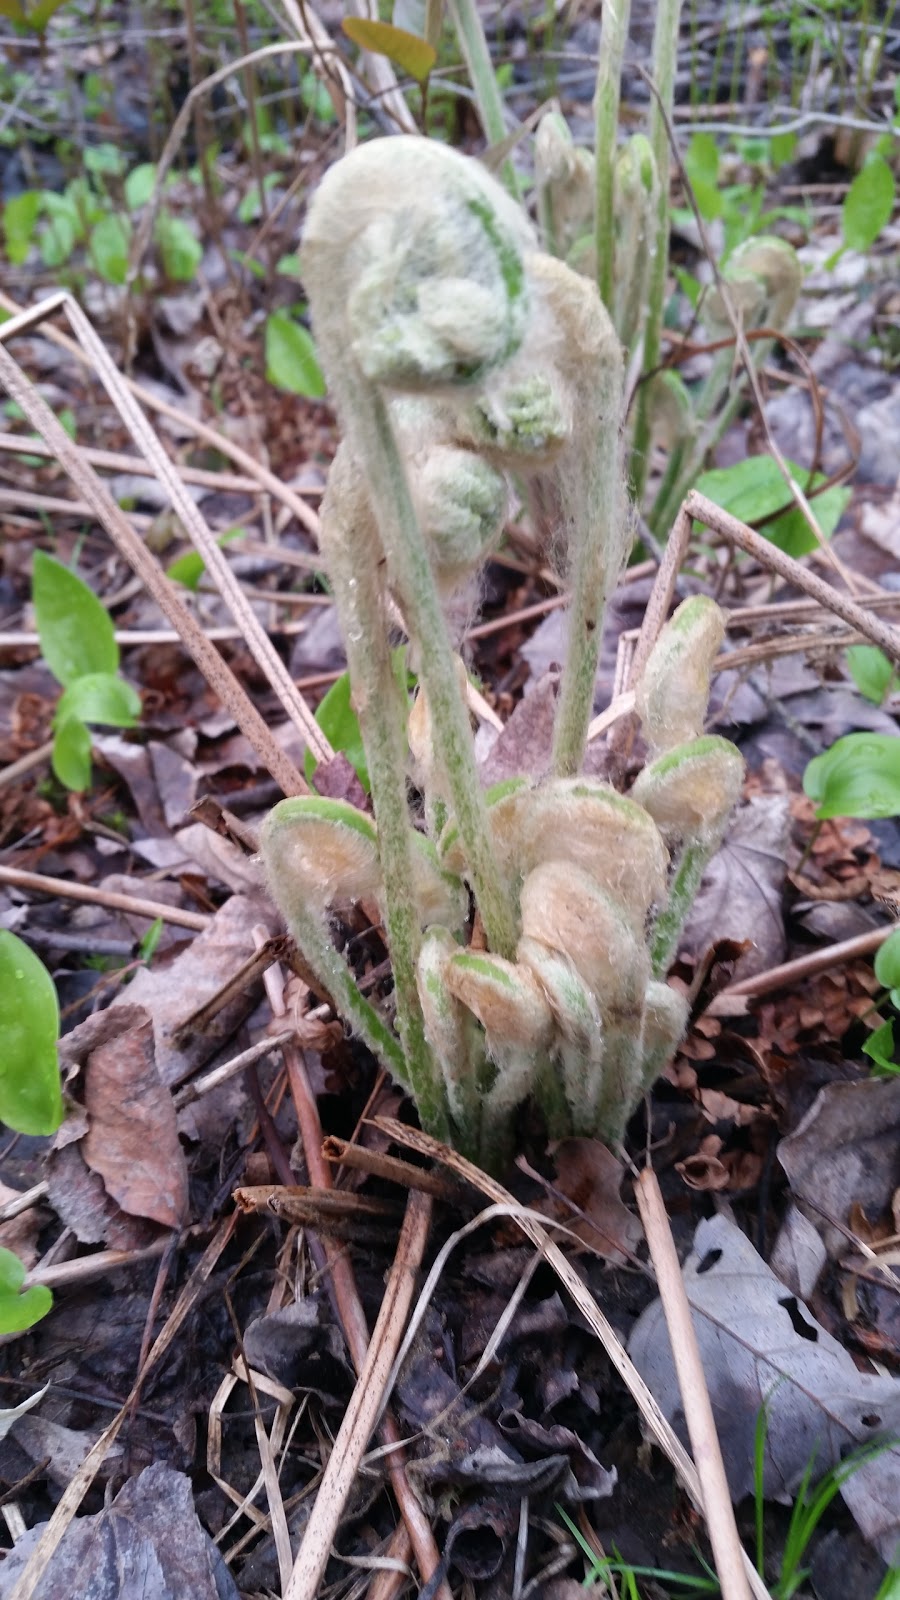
887	961
71	755
291	361
76	631
139	185
340	725
870	670
109	242
868	204
179	247
858	777
100	697
18	1310
880	1048
411	54
30	1095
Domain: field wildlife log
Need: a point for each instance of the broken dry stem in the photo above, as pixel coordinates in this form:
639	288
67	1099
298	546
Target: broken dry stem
728	1553
352	1316
365	1404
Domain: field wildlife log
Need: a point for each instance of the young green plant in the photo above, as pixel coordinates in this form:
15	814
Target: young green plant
462	359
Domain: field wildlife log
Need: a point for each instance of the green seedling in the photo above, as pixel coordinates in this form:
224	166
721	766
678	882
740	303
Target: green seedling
79	646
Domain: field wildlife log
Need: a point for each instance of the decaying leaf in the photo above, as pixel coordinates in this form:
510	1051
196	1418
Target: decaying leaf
845	1152
590	1176
132	1140
760	1345
147	1545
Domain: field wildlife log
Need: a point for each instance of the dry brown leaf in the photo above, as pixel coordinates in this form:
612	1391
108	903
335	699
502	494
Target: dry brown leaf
132	1142
590	1177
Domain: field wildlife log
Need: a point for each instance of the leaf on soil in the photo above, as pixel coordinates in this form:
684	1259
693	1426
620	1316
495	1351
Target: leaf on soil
147	1545
590	1176
758	1344
524	746
132	1142
741	894
173	991
844	1152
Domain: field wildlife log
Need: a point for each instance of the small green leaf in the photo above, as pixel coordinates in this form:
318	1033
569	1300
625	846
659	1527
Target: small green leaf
71	755
870	670
189	568
701	163
410	53
781	148
858	777
19	1311
30	1095
887	961
291	361
19	217
100	697
179	247
753	488
701	158
690	286
868	204
39	16
250	207
109	242
76	631
57	239
106	159
139	185
289	266
880	1048
340	725
148	944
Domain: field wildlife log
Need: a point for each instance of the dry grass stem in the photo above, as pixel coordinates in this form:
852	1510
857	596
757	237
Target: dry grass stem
728	1552
791	972
192	425
774	560
365	1404
216	671
350	1310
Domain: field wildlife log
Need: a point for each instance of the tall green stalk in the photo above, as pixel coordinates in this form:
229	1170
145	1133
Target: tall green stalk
358	589
665	58
474	46
613	37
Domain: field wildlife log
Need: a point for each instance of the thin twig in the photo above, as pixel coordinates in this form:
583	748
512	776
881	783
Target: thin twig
132	904
791	972
775	560
346	1295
